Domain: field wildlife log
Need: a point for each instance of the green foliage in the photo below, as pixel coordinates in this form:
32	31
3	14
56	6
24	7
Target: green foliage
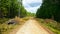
30	14
11	8
3	20
5	29
23	12
8	8
49	9
51	24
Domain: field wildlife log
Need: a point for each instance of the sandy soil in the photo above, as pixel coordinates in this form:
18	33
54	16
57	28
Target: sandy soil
32	27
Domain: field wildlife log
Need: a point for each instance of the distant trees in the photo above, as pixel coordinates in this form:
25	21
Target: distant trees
30	14
49	9
23	12
10	8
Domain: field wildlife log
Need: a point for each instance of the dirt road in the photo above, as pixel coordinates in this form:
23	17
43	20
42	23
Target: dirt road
32	27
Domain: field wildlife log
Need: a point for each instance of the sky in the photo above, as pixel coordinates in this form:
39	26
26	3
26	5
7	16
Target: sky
32	5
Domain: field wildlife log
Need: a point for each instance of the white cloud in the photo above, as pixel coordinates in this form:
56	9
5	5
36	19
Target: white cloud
31	1
28	7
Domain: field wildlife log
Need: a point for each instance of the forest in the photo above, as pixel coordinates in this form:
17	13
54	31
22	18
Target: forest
47	14
50	9
11	8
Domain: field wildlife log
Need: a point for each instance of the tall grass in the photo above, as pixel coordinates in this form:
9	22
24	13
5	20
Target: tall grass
4	27
51	24
3	20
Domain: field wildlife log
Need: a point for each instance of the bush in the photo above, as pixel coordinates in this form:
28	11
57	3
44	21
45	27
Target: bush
3	20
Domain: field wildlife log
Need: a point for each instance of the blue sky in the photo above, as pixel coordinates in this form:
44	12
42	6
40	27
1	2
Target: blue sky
32	5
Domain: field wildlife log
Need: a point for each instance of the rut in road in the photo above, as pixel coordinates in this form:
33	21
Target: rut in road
31	27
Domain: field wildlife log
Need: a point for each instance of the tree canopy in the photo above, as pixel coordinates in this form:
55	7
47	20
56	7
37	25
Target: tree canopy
49	9
11	8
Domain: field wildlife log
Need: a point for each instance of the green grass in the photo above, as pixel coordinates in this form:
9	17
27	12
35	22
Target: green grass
52	25
26	18
3	20
4	27
54	30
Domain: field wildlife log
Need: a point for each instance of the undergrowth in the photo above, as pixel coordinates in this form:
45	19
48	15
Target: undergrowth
51	24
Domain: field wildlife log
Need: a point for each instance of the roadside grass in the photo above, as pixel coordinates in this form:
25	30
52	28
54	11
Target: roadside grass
3	20
26	18
50	24
21	20
6	29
